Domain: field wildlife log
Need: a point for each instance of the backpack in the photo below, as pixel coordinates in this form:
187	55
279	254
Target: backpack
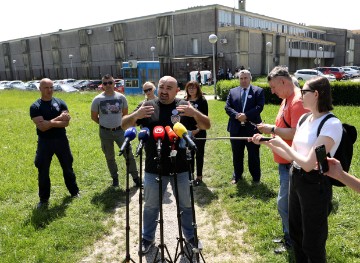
345	150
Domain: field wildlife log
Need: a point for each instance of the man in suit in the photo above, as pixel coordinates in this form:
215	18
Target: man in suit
244	105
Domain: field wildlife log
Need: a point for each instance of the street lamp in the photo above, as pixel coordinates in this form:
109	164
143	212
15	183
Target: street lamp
153	51
14	62
268	49
71	57
319	59
213	39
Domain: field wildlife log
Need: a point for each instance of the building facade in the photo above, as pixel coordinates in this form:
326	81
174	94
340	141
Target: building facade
180	41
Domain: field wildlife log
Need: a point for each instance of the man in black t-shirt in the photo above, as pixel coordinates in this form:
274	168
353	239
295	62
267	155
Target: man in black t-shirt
51	116
165	111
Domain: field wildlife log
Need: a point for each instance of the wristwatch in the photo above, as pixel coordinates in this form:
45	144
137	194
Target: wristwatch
273	130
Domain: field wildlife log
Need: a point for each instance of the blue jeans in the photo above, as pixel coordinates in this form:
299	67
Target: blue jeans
283	199
151	206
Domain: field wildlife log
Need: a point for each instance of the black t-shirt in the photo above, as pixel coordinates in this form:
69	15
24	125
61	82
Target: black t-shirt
162	117
49	110
201	105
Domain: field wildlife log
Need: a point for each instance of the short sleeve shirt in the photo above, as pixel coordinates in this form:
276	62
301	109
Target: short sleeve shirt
109	108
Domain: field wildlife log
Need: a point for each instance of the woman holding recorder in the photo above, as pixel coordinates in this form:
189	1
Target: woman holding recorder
310	192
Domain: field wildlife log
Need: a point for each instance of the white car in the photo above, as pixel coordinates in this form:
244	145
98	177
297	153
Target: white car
353	72
306	74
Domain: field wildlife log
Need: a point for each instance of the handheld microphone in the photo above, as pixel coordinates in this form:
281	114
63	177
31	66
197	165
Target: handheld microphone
181	131
159	135
143	136
129	135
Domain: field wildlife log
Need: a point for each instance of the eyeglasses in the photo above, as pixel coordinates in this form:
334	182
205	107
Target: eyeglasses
303	91
147	90
109	82
192	87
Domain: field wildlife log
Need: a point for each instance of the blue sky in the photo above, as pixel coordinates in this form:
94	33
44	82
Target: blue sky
24	18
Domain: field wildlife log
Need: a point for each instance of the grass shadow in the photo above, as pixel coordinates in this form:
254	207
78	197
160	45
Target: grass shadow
42	217
203	195
260	191
111	198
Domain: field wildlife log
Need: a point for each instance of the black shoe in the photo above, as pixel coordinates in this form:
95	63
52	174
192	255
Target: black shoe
115	182
146	245
77	195
197	181
42	205
137	181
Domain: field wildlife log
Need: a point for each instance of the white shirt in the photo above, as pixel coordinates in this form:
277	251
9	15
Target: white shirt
306	134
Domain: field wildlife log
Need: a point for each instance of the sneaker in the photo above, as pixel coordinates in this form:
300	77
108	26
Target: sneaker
77	195
42	205
137	181
115	182
146	245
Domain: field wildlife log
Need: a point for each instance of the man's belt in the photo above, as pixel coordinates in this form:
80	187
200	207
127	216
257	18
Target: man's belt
110	129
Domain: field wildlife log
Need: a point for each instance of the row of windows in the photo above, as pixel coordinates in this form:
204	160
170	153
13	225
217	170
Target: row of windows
225	19
310	46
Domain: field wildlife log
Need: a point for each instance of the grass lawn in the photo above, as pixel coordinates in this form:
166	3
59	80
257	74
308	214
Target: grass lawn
68	227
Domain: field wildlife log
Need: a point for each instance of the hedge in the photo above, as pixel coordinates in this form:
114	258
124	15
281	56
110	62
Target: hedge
343	92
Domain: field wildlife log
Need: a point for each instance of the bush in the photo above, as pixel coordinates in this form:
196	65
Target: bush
343	92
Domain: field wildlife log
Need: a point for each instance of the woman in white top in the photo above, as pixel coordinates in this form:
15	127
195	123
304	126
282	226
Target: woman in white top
310	192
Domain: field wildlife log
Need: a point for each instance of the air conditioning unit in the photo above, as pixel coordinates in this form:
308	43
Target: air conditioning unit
133	63
220	54
108	29
223	41
89	31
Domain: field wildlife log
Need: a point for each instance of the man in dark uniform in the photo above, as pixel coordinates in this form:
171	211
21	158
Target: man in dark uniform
51	116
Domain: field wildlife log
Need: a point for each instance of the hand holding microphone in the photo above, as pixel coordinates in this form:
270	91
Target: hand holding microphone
129	135
181	131
143	136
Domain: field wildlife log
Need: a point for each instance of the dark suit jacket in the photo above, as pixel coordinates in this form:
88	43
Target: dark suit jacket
254	106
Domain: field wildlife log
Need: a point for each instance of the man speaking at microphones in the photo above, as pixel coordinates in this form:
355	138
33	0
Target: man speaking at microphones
164	111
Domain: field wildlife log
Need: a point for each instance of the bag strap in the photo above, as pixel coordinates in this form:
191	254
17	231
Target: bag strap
323	121
304	118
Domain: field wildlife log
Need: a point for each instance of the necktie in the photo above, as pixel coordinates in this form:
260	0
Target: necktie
243	97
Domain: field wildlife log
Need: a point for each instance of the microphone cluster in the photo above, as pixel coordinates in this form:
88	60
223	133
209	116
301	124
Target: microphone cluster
159	135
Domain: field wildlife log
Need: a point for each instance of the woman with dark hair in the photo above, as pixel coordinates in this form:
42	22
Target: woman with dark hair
310	192
195	95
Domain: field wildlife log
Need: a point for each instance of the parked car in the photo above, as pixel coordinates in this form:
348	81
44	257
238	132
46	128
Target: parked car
337	71
353	72
306	74
15	84
64	87
92	84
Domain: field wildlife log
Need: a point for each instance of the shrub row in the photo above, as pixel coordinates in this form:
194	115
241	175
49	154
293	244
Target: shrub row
343	92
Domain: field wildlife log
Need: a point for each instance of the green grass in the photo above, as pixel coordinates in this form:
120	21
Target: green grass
69	227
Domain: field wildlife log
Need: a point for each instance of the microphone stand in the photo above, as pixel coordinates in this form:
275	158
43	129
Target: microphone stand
128	257
162	245
198	246
181	239
140	207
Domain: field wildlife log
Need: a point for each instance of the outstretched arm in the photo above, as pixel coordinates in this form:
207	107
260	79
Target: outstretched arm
336	171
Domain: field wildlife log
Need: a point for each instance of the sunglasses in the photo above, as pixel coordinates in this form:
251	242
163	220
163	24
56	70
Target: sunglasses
303	91
147	90
109	82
